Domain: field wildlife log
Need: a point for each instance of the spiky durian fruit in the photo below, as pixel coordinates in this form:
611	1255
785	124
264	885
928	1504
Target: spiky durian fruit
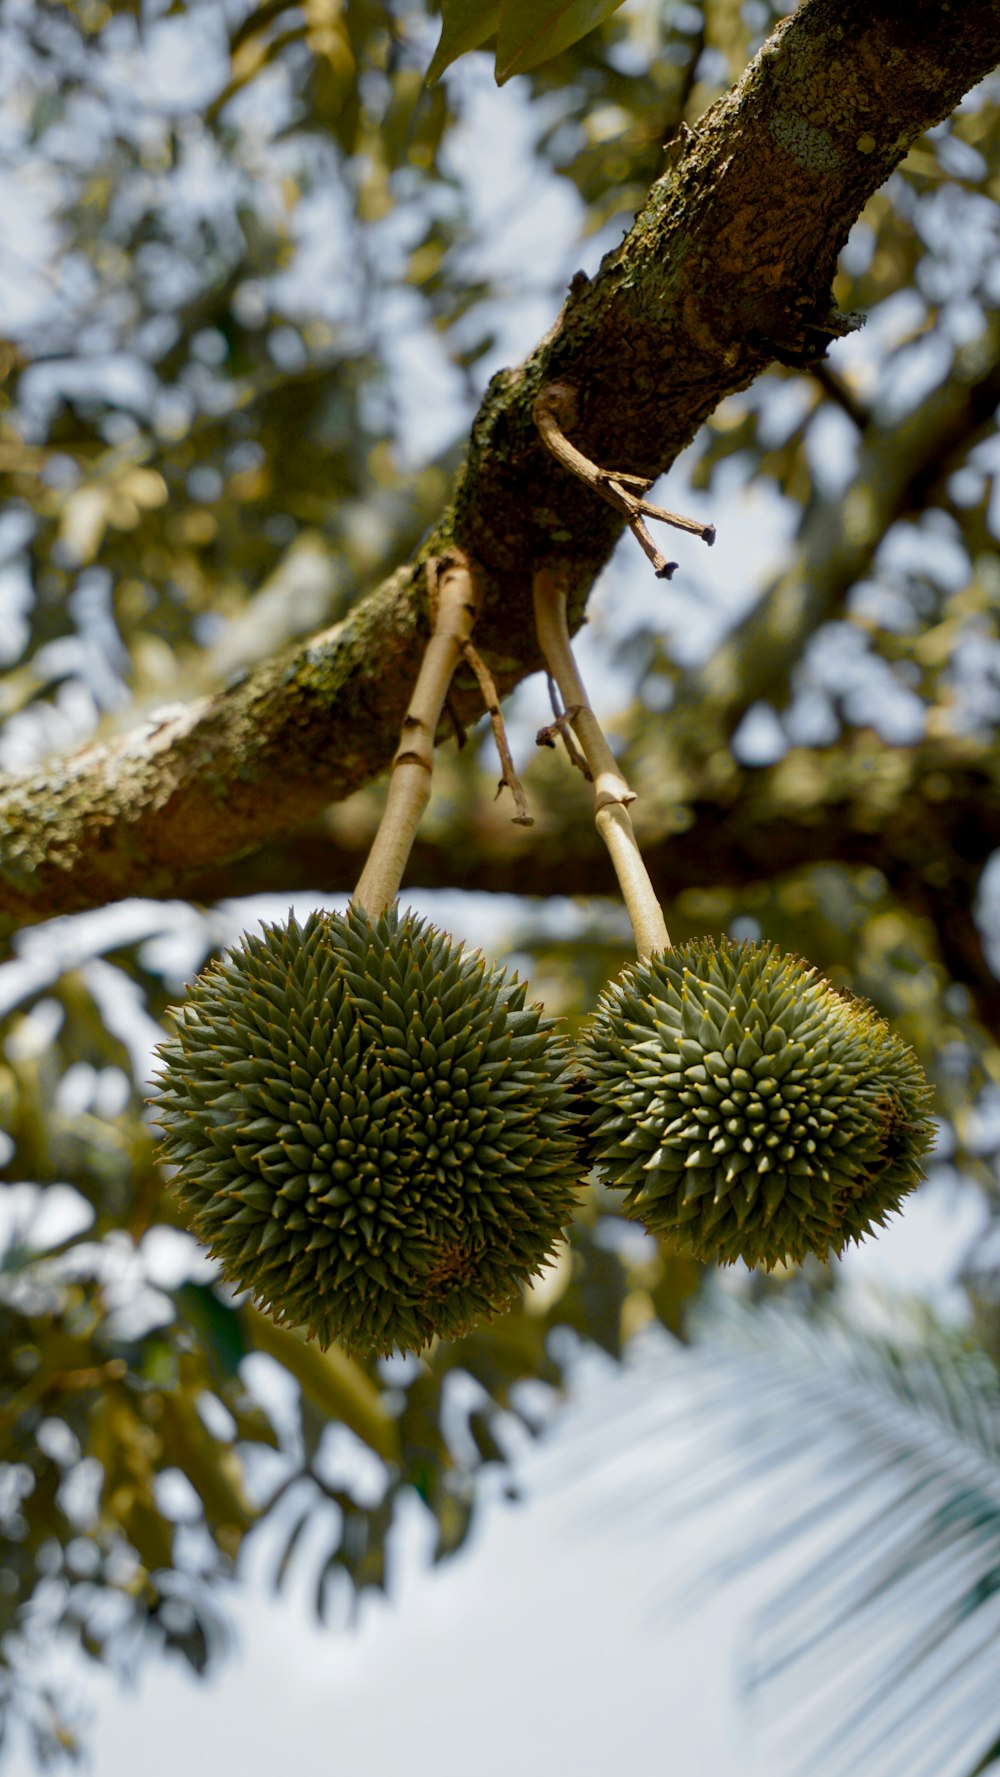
372	1132
749	1109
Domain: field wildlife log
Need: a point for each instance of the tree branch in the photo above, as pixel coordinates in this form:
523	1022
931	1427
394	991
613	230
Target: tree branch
927	815
727	267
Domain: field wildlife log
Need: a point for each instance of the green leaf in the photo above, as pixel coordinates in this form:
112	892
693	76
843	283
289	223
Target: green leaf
216	1323
465	24
334	1382
532	31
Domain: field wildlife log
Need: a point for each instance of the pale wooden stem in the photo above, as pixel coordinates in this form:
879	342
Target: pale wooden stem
611	793
454	607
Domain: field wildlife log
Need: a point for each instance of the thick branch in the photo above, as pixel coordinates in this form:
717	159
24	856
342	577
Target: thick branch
207	781
727	267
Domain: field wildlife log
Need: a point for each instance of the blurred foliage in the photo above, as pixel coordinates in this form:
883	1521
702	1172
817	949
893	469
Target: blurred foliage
527	31
860	1462
255	277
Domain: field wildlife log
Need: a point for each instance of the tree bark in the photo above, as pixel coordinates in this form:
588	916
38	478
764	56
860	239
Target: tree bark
727	267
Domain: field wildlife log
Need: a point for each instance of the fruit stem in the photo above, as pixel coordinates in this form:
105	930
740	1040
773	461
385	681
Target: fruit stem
611	792
454	602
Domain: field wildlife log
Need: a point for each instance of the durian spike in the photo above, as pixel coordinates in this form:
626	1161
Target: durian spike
611	792
454	601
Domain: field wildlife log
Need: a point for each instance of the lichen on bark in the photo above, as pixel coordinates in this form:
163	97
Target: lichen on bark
727	267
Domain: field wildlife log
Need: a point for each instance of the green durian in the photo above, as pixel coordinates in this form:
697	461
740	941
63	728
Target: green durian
747	1108
372	1132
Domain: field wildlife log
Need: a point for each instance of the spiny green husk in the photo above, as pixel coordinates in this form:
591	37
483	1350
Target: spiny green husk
372	1131
750	1110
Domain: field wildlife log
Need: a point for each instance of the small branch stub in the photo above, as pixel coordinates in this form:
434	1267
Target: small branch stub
555	408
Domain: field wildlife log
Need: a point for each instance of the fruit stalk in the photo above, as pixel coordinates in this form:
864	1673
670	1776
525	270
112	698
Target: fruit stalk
454	607
612	794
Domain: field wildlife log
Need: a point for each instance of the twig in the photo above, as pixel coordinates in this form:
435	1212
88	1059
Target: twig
611	792
561	725
454	602
556	407
490	698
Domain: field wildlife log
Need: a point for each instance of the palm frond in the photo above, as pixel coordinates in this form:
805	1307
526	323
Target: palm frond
861	1473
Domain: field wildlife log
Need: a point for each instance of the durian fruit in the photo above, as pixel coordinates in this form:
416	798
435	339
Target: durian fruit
372	1131
747	1108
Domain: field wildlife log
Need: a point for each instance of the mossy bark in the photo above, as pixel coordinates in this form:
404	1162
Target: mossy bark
727	267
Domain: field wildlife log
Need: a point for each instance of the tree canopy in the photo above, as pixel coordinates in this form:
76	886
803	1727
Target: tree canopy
280	319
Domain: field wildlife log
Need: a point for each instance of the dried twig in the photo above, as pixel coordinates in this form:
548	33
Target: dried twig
562	725
556	407
491	699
